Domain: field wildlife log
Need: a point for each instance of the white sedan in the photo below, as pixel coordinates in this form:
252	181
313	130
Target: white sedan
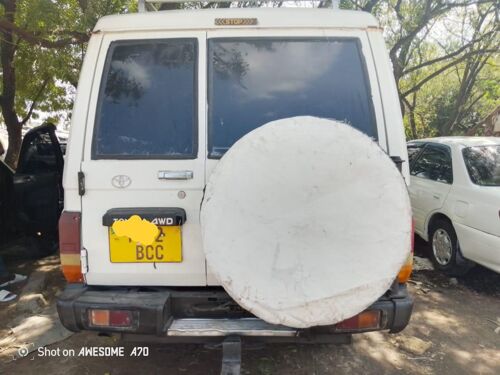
455	195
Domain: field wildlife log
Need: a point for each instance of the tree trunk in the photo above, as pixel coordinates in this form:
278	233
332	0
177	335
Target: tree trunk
411	114
15	141
7	100
413	125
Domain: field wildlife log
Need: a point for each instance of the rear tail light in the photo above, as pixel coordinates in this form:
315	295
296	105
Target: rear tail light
367	320
69	246
110	318
405	271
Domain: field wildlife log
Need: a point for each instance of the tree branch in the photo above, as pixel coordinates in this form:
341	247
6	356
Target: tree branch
472	130
445	57
368	7
444	68
83	5
75	37
398	52
35	101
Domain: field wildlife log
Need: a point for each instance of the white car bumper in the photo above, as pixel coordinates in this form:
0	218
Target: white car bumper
481	247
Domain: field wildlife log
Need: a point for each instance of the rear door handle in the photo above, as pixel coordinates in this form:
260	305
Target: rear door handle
175	175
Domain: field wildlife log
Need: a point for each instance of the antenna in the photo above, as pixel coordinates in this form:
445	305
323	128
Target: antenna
145	5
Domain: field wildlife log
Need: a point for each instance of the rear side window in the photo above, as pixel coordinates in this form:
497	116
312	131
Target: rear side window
147	103
483	164
254	81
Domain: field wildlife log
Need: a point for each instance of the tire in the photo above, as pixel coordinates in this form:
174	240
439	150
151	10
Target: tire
445	249
284	254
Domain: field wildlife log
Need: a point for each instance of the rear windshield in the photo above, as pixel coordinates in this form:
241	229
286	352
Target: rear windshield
147	101
254	81
483	164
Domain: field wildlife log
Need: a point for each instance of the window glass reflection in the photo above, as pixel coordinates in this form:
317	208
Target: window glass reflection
254	81
147	105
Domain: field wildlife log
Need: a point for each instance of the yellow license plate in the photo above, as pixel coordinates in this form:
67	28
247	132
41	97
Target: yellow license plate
166	248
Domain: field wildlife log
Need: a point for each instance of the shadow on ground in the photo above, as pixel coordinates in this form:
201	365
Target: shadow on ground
452	331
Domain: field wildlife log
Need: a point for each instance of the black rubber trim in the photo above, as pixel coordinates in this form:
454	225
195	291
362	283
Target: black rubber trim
166	216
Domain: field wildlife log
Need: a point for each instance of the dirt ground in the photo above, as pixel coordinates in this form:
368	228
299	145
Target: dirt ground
452	331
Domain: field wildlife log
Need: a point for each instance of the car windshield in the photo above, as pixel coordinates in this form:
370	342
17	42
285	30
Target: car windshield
483	164
253	81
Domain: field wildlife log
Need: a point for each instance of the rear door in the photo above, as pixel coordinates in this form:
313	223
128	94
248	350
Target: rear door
259	75
144	154
431	179
37	182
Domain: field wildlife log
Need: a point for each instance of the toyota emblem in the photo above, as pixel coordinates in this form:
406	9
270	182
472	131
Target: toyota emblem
121	181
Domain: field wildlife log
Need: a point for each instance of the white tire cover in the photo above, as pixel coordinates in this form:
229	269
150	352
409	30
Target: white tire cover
306	222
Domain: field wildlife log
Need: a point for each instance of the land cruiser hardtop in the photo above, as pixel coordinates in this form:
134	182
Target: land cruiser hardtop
162	97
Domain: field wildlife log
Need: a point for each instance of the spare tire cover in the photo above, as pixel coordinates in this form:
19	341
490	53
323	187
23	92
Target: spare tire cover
305	222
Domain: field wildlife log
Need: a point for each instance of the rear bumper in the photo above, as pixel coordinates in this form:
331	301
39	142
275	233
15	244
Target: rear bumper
479	246
170	314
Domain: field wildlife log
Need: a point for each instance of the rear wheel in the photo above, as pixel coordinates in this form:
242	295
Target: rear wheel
445	250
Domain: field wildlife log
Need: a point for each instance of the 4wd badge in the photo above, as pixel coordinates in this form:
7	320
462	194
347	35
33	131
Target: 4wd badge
121	181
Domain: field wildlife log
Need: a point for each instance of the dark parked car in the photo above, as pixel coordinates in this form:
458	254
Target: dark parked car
31	198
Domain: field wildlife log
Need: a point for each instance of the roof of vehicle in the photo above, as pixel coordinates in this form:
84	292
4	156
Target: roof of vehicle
203	19
463	141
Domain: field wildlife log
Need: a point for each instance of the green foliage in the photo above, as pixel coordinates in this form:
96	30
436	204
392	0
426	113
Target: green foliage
50	75
445	58
414	35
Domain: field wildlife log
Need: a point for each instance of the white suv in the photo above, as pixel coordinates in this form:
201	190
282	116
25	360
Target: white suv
162	96
455	195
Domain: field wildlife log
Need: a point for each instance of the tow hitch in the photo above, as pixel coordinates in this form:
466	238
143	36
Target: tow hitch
231	356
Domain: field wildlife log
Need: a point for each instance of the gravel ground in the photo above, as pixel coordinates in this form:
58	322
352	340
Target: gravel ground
452	331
